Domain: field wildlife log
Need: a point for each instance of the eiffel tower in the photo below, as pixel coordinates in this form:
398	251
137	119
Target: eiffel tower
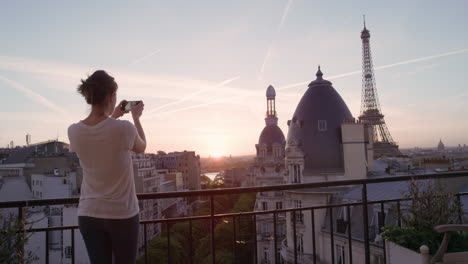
370	107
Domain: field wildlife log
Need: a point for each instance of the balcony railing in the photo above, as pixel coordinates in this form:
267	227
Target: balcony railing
289	248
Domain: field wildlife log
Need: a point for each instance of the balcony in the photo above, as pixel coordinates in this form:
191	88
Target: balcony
242	240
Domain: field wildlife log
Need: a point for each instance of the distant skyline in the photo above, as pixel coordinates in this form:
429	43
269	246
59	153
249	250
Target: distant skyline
202	67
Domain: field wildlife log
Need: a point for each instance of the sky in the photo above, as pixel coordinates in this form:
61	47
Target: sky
202	67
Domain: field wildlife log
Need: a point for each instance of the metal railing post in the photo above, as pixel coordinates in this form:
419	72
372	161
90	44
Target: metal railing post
255	237
168	242
213	246
350	246
234	238
365	222
275	236
47	247
382	211
332	240
190	242
314	245
399	213
294	236
146	243
73	245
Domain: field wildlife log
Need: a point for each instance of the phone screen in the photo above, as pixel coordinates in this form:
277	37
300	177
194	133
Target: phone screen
129	103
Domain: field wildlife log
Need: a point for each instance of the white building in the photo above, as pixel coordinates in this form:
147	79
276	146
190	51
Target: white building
268	169
185	162
147	180
324	143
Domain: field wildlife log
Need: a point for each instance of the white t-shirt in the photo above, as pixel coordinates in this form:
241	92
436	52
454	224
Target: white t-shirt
104	150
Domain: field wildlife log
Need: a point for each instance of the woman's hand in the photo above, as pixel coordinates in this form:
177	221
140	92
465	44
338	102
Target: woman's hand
137	110
118	112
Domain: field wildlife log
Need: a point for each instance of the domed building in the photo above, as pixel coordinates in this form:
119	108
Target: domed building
440	147
324	143
269	169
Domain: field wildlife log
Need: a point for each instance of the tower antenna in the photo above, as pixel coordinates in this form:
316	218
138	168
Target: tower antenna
364	18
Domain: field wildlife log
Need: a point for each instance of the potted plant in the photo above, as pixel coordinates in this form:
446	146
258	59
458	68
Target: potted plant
428	206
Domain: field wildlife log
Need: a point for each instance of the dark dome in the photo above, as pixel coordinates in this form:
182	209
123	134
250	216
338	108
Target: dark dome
316	126
271	134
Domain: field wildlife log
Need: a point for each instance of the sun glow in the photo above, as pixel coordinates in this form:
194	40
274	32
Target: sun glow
216	145
216	155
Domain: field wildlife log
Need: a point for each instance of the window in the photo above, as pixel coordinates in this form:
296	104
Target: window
299	214
265	254
300	243
340	254
278	256
342	221
322	125
297	203
68	252
296	173
376	259
264	206
279	205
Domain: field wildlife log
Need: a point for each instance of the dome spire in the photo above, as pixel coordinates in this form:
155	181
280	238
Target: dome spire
319	80
271	118
319	74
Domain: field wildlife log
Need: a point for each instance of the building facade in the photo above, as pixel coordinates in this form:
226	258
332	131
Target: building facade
268	169
324	143
185	162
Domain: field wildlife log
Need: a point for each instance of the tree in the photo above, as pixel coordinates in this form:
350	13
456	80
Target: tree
205	181
430	205
13	240
158	252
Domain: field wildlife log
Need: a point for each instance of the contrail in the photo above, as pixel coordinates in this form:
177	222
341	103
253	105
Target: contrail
423	59
328	78
147	56
190	96
35	96
278	30
381	67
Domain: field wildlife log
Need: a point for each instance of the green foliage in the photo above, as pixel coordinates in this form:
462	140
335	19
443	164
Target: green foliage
157	252
412	239
430	206
245	203
12	241
201	234
205	180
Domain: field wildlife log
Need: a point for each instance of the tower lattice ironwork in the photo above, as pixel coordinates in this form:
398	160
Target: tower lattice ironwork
370	107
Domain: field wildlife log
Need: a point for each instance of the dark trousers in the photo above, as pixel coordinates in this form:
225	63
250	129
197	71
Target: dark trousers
107	238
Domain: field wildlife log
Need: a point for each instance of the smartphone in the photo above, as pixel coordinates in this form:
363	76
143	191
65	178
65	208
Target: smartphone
126	106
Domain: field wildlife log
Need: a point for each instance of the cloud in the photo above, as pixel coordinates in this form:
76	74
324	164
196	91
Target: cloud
35	97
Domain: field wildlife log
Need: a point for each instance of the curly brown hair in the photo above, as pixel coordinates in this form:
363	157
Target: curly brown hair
97	87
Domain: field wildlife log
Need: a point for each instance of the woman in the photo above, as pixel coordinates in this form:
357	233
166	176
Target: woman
108	207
